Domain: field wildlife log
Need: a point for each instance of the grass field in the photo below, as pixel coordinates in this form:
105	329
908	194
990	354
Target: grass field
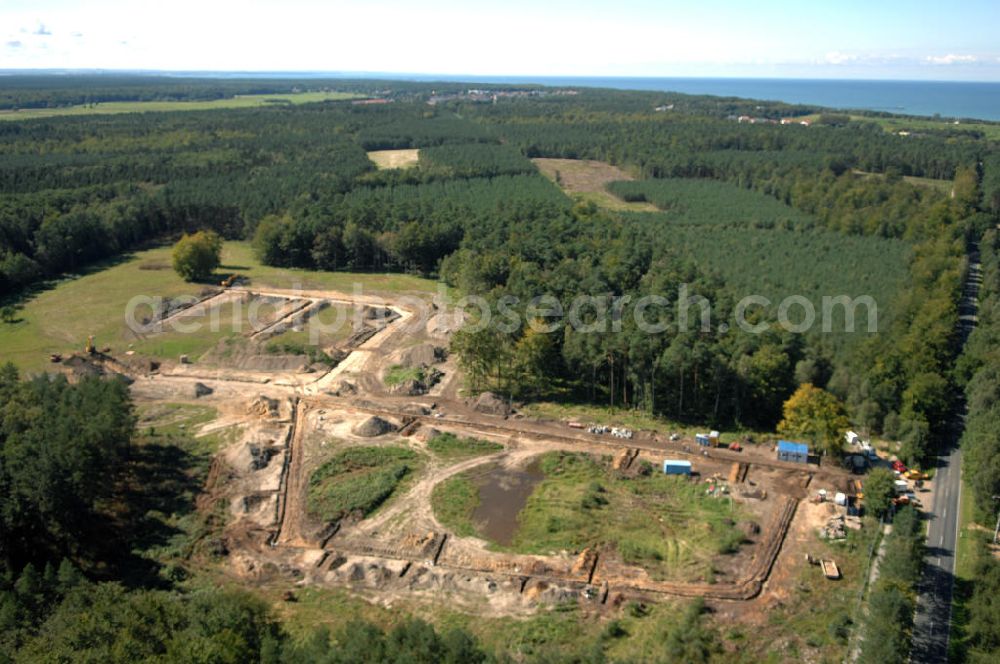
815	622
453	502
559	633
327	328
117	107
991	130
170	462
398	374
450	446
667	525
386	159
358	480
58	320
965	575
940	185
585	181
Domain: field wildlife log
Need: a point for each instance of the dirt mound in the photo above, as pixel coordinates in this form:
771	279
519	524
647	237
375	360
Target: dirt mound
490	404
264	407
247	355
378	314
77	367
169	306
423	355
343	388
360	336
426	434
409	388
373	426
749	528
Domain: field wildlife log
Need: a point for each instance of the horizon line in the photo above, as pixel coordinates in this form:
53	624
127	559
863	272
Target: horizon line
464	77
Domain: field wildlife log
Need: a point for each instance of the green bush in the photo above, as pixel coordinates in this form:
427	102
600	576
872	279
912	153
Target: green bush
450	446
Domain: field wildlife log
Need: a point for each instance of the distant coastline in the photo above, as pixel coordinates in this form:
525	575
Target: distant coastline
970	100
946	99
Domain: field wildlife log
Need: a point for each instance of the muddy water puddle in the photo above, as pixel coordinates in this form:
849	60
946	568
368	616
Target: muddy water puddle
503	493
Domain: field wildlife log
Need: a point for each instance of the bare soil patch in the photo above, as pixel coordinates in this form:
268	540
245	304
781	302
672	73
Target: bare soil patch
586	180
386	159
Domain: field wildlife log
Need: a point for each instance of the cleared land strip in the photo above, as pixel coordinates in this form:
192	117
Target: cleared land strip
525	429
436	551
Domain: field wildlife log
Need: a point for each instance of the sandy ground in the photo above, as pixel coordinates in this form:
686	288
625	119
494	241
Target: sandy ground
395	158
290	421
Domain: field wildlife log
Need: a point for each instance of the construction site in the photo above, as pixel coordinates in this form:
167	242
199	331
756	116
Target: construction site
388	383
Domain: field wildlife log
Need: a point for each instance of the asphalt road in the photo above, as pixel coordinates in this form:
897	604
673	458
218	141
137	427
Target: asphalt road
932	622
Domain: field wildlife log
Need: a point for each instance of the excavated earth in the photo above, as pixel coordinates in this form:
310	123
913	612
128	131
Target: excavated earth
292	417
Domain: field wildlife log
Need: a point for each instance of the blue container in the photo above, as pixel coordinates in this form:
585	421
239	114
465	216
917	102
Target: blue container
794	452
672	467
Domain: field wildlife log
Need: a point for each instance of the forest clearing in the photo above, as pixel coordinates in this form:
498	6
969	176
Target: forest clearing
454	354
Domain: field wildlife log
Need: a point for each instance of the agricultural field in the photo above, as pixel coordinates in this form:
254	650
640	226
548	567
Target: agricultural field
390	159
945	186
118	107
587	181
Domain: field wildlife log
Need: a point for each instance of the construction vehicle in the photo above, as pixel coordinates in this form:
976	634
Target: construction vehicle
233	280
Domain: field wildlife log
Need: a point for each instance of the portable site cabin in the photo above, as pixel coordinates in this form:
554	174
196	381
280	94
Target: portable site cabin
676	467
702	439
794	452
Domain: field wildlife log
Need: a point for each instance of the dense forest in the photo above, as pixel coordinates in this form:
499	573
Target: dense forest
767	209
780	209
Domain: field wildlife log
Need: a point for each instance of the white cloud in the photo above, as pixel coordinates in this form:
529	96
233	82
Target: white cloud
950	59
838	58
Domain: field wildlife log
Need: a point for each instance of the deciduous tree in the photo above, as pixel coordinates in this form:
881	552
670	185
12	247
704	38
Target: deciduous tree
817	415
196	256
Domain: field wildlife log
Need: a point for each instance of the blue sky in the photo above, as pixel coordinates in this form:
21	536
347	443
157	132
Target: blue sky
760	38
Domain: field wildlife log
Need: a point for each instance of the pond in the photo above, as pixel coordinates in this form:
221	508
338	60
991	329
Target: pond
503	493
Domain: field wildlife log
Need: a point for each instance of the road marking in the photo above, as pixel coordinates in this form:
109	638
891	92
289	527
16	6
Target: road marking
946	512
941	540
